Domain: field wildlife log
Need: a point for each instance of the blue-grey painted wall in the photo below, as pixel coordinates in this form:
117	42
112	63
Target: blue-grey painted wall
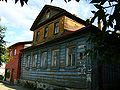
78	76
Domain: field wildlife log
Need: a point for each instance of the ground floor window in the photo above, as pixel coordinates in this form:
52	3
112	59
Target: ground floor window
55	57
27	61
44	59
70	56
34	60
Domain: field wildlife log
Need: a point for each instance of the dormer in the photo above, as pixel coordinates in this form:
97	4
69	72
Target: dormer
52	22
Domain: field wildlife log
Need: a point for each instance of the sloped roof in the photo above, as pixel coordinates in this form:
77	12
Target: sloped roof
25	42
61	12
69	34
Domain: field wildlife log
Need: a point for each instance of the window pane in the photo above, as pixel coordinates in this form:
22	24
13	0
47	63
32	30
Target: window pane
37	36
27	60
56	28
55	57
46	32
70	56
34	61
44	59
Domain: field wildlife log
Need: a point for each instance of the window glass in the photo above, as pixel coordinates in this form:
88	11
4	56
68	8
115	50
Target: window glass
55	57
44	59
56	28
14	51
47	14
70	56
34	61
37	35
46	32
27	60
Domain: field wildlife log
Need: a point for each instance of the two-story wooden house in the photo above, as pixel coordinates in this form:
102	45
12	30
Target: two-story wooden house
12	68
57	57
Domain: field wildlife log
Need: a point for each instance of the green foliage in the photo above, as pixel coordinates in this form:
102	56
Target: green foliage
2	43
1	77
107	42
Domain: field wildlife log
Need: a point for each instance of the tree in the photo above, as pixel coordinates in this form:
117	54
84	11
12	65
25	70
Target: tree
107	42
2	44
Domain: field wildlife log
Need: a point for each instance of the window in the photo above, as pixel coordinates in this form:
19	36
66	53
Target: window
27	60
47	14
81	52
55	57
44	59
14	51
10	52
70	56
56	28
37	35
46	32
34	60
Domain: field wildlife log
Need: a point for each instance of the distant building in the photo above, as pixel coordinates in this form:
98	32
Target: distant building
2	69
57	56
12	68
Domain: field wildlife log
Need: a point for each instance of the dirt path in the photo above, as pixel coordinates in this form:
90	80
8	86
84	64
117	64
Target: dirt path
11	87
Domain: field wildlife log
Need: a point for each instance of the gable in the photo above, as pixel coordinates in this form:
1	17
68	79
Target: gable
48	12
54	12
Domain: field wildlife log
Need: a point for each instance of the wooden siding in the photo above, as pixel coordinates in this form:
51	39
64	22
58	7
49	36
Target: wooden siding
72	25
61	75
51	34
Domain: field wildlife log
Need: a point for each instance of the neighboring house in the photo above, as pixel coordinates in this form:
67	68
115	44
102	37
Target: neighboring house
12	68
57	57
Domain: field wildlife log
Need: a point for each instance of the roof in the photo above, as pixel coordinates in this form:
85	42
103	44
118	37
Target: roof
61	13
25	42
69	34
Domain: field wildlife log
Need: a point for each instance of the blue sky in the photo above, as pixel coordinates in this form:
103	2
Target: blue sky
18	20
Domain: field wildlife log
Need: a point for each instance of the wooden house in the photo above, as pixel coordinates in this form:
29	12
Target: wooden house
12	67
57	56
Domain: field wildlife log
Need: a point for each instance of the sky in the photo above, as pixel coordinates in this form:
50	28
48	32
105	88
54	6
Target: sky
19	20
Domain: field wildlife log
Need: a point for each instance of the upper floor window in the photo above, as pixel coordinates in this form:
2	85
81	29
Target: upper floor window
37	35
44	59
55	57
10	52
56	28
34	60
46	32
70	57
14	51
27	61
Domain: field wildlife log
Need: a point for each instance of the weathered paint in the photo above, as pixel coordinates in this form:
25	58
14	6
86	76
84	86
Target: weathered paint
72	77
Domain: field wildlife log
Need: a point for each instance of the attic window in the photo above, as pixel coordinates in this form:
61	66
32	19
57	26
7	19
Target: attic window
47	14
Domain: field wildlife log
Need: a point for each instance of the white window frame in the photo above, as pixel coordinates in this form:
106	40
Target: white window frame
10	52
55	57
27	61
46	32
15	52
44	59
34	60
70	56
56	27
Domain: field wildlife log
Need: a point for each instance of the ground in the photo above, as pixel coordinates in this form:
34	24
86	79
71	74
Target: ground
4	86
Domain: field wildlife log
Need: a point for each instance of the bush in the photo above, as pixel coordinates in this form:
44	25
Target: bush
1	77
